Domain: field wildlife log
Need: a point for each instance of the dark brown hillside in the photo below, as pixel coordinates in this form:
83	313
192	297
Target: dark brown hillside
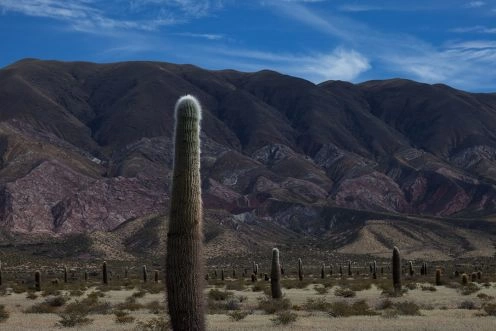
87	148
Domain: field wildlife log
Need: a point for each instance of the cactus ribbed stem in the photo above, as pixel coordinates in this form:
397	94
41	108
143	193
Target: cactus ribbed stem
275	275
185	267
396	270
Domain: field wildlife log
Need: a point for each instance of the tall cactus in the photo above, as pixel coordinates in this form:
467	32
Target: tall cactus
300	270
104	273
185	267
275	275
396	270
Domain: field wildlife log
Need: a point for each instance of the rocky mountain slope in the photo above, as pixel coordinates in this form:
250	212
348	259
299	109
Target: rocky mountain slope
87	147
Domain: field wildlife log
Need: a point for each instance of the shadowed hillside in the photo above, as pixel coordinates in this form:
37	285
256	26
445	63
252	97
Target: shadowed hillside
87	148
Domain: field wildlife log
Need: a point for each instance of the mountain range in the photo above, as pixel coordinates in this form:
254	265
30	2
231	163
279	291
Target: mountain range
86	148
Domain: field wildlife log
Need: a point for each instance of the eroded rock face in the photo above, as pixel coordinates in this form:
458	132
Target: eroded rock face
54	199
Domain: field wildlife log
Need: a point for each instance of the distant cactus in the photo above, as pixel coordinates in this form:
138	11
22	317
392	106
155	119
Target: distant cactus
145	274
374	270
65	274
282	270
479	275
125	272
156	276
275	275
1	274
37	281
438	277
300	270
266	277
184	240
349	269
457	273
207	277
233	273
85	276
104	273
341	270
253	277
330	270
256	269
464	279
396	270
474	276
322	271
425	268
222	274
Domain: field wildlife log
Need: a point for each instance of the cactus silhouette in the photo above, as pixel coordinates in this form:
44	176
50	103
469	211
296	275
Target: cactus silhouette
438	277
275	275
104	273
145	274
349	269
322	271
37	281
464	279
65	274
374	270
396	270
185	267
410	267
156	276
300	270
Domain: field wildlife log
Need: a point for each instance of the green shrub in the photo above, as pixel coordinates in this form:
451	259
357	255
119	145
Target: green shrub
237	315
73	319
284	318
155	324
123	317
467	304
271	306
319	304
344	292
490	308
407	308
217	295
4	314
345	309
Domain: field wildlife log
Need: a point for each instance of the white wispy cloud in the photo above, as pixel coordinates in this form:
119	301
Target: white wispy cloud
209	36
475	4
474	29
339	64
464	65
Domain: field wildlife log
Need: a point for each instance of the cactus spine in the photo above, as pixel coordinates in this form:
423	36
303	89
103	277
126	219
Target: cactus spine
37	281
104	273
184	239
275	275
300	270
396	270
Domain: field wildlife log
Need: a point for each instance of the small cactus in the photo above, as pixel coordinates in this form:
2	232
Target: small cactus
37	281
300	270
341	270
275	275
104	273
479	275
474	276
396	270
65	274
145	274
222	274
233	273
349	269
464	279
85	276
374	270
253	277
438	277
322	271
410	267
156	276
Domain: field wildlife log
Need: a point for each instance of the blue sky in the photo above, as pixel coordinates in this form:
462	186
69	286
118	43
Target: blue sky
436	41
